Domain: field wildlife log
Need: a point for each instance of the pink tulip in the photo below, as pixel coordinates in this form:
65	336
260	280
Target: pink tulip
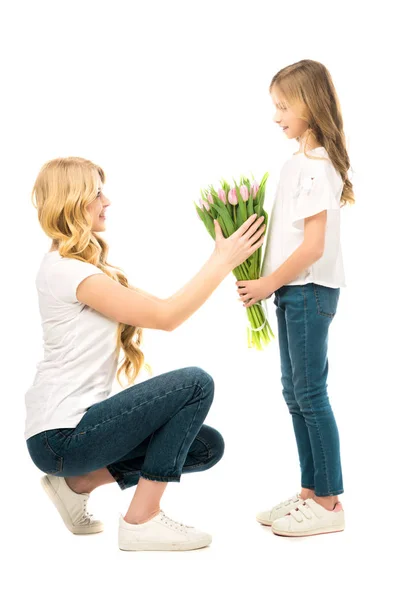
222	196
254	188
210	199
205	204
232	197
244	192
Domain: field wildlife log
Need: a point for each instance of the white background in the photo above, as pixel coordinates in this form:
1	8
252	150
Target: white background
168	97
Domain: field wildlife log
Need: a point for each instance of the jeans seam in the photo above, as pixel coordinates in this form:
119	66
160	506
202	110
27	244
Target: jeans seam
308	393
199	404
208	448
60	460
162	478
335	493
130	410
319	309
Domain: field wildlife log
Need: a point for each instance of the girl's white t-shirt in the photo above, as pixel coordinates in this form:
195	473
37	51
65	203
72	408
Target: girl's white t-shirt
306	187
80	358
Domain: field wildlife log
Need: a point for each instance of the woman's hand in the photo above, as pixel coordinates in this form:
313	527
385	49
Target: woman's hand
254	290
235	249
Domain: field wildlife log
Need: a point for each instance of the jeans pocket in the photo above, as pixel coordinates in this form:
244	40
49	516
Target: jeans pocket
326	299
43	456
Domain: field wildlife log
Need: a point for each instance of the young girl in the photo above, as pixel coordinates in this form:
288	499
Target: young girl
303	267
148	434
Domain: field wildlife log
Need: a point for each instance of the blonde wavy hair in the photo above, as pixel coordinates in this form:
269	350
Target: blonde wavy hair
62	192
308	85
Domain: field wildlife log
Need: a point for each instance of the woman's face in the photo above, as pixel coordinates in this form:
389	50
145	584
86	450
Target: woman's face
286	118
97	209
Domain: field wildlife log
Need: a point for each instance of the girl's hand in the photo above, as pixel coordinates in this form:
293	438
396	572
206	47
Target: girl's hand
254	290
235	249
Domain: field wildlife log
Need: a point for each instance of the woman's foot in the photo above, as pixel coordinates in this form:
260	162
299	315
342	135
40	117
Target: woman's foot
310	518
160	533
71	506
280	510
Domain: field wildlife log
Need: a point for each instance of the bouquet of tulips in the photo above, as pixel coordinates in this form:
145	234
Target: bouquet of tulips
231	206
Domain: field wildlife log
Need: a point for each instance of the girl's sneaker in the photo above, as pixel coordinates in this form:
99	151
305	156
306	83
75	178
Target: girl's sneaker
71	506
160	533
310	518
280	510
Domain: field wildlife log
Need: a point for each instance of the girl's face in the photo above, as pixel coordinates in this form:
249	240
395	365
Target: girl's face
286	118
97	209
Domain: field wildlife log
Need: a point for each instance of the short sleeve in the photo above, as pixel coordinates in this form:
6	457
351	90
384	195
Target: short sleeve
320	188
65	276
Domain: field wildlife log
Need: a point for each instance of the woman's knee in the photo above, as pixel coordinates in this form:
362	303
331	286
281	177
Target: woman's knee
202	379
208	447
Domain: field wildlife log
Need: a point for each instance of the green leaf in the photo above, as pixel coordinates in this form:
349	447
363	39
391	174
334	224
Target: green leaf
226	219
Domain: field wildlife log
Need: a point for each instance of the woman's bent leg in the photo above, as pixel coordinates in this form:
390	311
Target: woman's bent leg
169	408
205	451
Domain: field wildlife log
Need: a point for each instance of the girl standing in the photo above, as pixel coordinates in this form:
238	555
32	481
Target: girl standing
148	434
303	267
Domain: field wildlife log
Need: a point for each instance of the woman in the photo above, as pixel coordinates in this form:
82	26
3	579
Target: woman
148	434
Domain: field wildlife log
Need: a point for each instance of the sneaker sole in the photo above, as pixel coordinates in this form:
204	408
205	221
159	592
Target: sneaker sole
306	533
56	500
160	546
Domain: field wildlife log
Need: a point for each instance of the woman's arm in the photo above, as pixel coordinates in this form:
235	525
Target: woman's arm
126	305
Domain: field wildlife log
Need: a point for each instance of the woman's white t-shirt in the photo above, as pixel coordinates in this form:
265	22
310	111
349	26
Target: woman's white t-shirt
80	358
306	187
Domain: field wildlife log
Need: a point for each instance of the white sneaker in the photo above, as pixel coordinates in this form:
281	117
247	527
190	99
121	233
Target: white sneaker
280	510
71	506
310	518
160	533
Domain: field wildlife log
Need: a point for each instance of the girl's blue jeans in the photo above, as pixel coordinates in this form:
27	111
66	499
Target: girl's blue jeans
153	429
304	314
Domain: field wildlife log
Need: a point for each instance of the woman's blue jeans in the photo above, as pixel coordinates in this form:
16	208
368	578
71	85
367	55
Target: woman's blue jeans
153	429
304	314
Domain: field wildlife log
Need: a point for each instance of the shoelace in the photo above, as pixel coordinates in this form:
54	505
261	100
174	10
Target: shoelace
174	524
86	517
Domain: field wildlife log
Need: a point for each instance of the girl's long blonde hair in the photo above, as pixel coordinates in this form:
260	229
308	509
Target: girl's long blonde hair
309	84
62	192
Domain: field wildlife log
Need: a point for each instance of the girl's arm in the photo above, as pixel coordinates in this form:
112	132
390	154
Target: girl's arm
309	251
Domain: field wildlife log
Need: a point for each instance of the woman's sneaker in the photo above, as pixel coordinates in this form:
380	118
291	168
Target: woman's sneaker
160	533
71	506
280	510
310	518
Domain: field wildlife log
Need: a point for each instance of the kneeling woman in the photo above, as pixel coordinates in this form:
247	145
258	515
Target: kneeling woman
149	433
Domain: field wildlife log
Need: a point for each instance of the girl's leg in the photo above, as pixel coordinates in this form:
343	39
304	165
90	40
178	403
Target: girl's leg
298	420
309	312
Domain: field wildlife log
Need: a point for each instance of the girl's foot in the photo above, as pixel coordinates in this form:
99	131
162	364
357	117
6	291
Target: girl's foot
280	510
160	533
310	518
71	506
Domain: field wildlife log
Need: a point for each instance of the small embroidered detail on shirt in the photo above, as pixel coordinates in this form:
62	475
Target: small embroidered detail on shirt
307	183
